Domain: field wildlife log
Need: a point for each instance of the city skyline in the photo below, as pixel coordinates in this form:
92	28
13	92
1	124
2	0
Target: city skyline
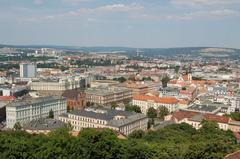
158	24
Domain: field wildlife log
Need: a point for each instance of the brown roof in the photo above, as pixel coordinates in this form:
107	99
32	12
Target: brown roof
216	118
179	115
72	94
166	100
235	155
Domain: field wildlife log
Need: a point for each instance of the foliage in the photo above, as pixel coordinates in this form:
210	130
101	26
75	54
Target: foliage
120	79
152	113
51	114
165	81
177	141
133	108
162	112
234	116
113	105
17	126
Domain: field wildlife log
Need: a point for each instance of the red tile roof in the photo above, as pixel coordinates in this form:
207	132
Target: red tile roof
216	118
180	115
165	100
7	98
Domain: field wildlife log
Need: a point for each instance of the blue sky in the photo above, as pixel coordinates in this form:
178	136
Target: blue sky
133	23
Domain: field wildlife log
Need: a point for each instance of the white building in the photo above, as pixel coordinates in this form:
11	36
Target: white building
23	111
145	102
28	70
121	121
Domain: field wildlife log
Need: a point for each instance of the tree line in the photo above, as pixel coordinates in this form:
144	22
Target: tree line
177	141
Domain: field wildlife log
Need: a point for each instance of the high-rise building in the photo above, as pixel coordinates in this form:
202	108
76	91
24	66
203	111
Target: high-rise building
28	70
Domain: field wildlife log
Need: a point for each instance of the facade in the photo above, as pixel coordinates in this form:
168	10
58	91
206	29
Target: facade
28	70
58	86
145	102
107	95
76	99
117	120
169	92
25	110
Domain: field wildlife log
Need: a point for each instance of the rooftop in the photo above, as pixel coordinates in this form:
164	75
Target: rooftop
43	124
204	108
166	100
109	115
27	101
102	91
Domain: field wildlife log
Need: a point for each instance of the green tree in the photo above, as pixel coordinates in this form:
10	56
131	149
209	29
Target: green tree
137	134
17	126
152	114
51	114
162	112
165	81
114	105
133	108
176	68
234	116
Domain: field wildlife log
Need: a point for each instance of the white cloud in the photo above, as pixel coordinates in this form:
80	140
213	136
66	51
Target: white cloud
83	12
209	14
204	2
38	2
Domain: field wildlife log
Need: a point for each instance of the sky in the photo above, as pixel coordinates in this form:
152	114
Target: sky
129	23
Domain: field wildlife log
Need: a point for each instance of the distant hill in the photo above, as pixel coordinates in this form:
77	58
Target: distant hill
193	51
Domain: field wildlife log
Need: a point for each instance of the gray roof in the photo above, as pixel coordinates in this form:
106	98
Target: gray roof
204	108
108	115
103	91
28	101
198	118
43	124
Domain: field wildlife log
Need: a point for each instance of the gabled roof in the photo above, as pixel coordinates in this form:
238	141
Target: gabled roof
165	100
7	98
180	115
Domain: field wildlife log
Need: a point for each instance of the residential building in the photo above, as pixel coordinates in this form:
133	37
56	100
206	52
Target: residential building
28	70
56	86
25	110
195	119
107	95
169	92
121	121
145	102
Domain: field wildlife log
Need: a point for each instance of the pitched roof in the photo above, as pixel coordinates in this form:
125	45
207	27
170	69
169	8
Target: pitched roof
165	100
179	115
7	98
216	118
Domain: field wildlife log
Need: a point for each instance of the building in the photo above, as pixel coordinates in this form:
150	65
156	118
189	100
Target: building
42	125
107	95
25	110
137	88
145	102
169	92
28	70
195	119
211	109
56	86
76	99
122	121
